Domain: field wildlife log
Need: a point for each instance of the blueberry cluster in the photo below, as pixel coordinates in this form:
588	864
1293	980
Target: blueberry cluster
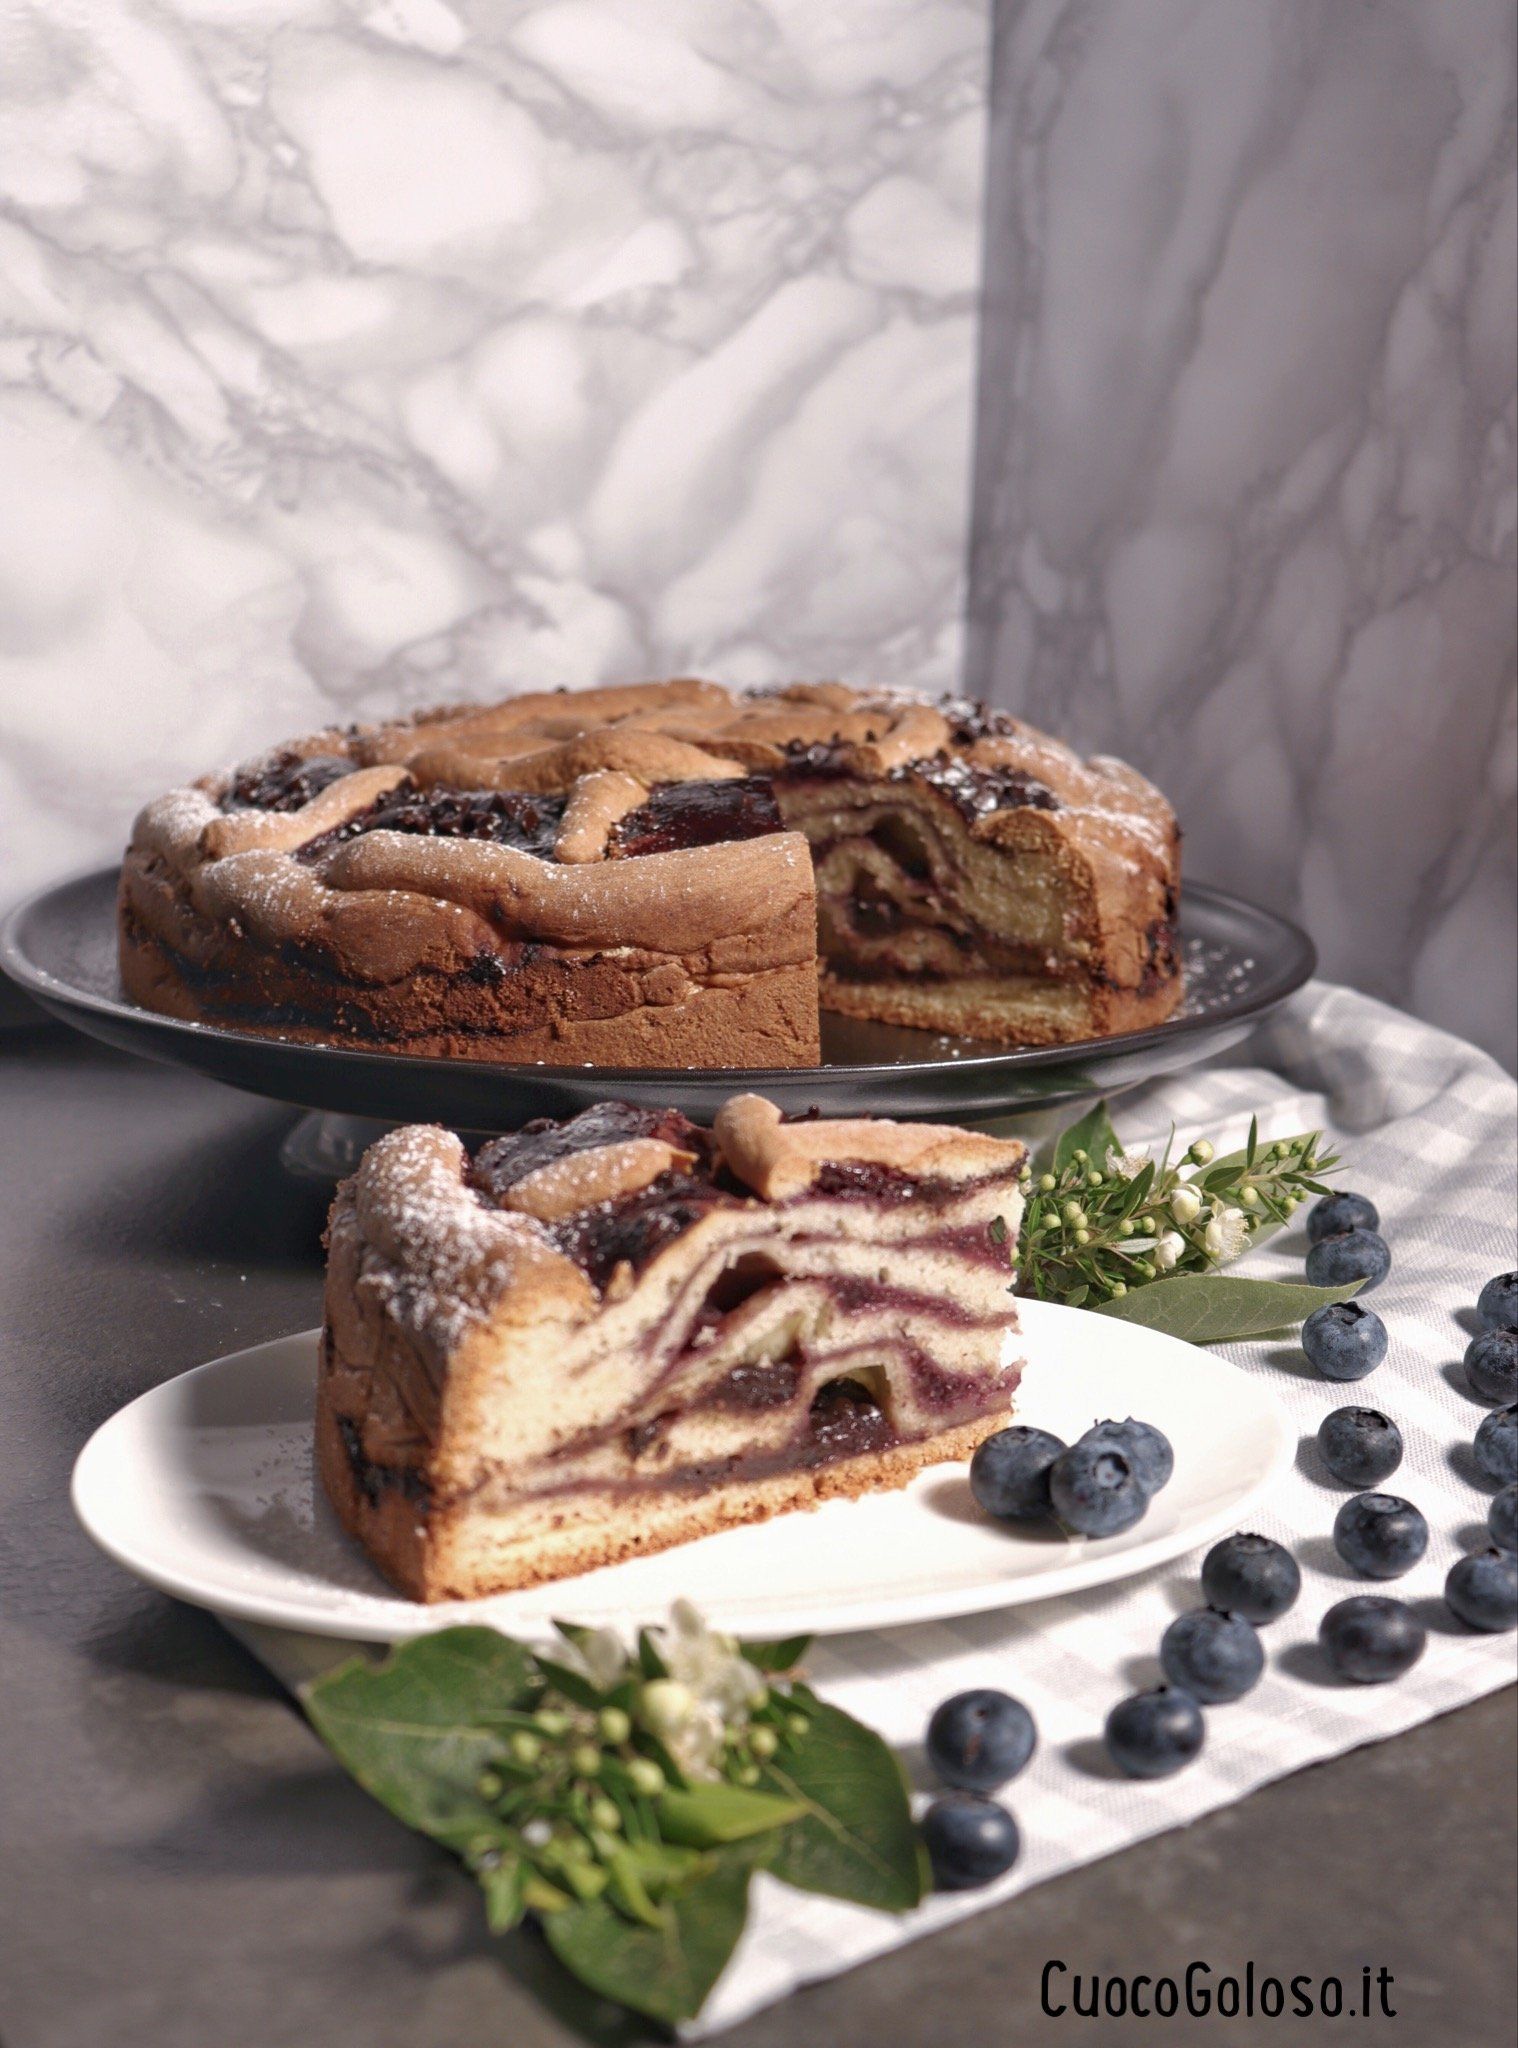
1102	1484
1209	1656
1482	1589
1098	1486
976	1743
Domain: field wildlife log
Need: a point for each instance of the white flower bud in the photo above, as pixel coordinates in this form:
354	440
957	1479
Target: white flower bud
1168	1250
667	1705
1185	1205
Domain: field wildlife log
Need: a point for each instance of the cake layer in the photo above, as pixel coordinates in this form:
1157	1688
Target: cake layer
624	876
622	1327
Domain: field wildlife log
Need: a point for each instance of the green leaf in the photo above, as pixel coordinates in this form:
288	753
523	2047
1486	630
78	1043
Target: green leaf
665	1970
650	1663
778	1657
502	1883
574	1685
1219	1308
706	1816
416	1730
856	1839
1092	1134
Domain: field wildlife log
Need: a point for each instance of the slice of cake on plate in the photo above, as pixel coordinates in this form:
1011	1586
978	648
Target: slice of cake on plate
601	1337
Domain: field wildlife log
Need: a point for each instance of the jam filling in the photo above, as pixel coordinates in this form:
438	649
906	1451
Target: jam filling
372	1479
283	781
974	788
505	817
504	1161
681	814
845	1421
633	1228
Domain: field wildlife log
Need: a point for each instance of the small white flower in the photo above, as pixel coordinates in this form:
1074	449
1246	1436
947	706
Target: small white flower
1226	1234
1168	1250
537	1833
603	1658
1185	1205
1130	1164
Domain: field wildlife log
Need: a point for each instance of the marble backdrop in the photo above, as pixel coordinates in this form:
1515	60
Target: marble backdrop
1246	487
362	352
357	352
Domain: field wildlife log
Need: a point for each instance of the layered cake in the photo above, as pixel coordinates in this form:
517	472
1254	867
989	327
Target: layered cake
601	1337
646	876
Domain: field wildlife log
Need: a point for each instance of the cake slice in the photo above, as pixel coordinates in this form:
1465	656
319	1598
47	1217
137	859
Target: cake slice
601	1337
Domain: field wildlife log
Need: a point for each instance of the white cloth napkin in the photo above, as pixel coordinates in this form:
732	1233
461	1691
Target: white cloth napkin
1426	1126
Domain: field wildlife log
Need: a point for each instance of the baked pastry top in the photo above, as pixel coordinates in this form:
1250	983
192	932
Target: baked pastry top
604	1336
626	876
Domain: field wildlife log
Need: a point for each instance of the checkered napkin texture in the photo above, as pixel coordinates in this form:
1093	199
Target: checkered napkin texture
1426	1127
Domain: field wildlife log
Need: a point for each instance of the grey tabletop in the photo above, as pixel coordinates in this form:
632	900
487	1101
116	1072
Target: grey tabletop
181	1866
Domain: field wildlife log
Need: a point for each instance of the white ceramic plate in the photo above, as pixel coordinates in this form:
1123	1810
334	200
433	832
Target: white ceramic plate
205	1488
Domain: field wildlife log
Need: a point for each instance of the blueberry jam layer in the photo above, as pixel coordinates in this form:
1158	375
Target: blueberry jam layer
283	781
634	1228
502	817
499	1165
974	788
682	814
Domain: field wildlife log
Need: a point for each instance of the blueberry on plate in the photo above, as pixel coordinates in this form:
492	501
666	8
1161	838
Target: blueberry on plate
1009	1473
1502	1518
1095	1489
1370	1638
1497	1306
1496	1445
1154	1734
1332	1215
1146	1448
1491	1365
978	1740
1351	1255
1344	1341
1252	1576
1482	1590
1215	1657
1361	1446
1380	1535
969	1841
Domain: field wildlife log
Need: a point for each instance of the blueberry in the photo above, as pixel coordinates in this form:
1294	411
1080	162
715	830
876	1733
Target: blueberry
1252	1576
969	1841
978	1740
1380	1535
1361	1446
1502	1518
1095	1489
1344	1341
1215	1657
1146	1448
1370	1639
1332	1215
1496	1445
1497	1307
1154	1734
1491	1365
1482	1590
1351	1255
1009	1473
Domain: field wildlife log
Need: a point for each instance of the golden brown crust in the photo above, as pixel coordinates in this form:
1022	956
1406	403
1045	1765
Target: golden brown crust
272	920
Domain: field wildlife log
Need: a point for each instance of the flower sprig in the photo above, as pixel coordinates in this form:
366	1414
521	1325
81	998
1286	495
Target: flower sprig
1098	1221
623	1797
617	1768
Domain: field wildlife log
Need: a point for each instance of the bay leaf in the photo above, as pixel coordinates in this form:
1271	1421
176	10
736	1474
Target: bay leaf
1220	1308
416	1731
856	1838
